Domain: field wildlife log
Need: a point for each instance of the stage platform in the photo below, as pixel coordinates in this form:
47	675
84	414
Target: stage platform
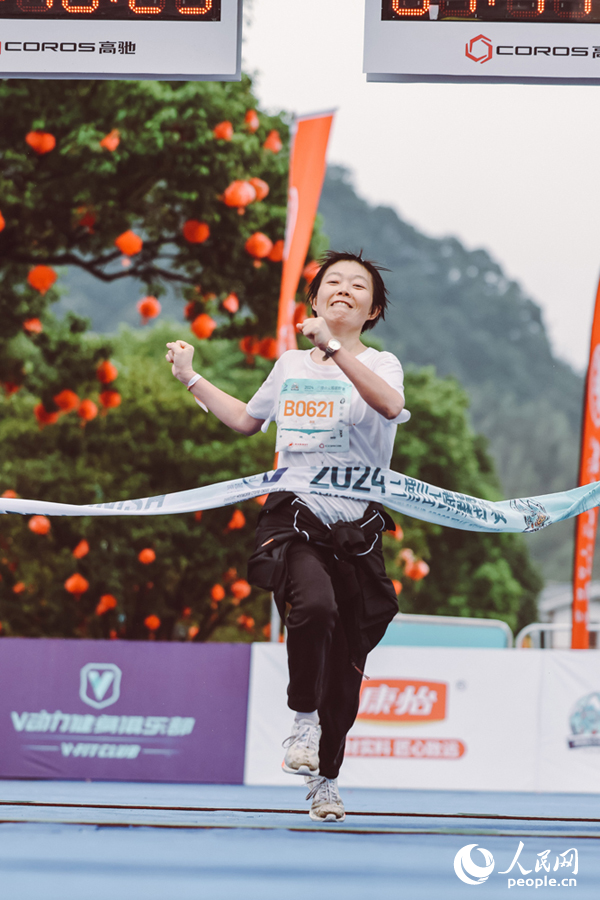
123	841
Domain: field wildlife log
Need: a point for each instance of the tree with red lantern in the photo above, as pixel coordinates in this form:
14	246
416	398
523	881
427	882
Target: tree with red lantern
62	212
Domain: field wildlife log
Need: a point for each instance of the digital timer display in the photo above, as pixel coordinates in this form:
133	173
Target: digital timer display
564	11
174	10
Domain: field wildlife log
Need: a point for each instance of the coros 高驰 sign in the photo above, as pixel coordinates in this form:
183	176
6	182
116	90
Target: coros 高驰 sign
482	40
193	40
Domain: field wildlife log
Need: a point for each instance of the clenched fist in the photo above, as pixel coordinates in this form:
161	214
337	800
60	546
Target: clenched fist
180	354
315	330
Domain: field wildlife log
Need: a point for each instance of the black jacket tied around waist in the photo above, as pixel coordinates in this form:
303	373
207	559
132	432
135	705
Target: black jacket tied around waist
364	594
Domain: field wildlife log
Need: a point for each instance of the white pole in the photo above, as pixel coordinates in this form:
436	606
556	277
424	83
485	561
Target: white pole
275	622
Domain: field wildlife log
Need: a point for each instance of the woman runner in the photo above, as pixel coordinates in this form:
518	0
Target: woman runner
336	405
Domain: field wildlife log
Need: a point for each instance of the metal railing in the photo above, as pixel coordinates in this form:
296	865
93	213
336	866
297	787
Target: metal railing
537	633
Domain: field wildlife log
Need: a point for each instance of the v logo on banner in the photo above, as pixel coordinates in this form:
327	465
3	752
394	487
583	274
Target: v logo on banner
100	682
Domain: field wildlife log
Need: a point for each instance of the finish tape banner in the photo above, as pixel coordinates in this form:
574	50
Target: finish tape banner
398	492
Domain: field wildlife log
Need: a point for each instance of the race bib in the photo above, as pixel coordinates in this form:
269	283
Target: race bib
314	415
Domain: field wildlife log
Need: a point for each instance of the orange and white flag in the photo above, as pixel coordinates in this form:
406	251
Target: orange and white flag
307	171
589	471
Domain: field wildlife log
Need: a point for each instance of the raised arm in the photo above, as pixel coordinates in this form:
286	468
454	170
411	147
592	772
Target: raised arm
376	392
230	410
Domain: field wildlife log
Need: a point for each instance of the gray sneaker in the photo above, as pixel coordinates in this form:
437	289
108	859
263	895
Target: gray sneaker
302	754
327	804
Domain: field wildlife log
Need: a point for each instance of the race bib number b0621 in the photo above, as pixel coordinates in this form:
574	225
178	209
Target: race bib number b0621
314	415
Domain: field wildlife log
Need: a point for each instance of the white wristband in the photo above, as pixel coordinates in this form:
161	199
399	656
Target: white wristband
195	377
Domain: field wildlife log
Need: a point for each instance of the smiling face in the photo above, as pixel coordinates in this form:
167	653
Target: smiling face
345	297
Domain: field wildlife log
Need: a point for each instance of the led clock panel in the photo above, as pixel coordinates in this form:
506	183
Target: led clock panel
556	41
170	39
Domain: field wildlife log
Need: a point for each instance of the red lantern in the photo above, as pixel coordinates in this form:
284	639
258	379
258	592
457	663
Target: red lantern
273	142
310	270
299	313
41	141
261	500
416	569
252	121
240	194
147	556
107	601
198	515
237	521
10	388
10	494
203	326
398	534
86	219
66	401
44	417
33	326
195	232
87	411
106	372
268	348
246	623
276	254
19	587
110	399
240	589
39	524
111	141
223	131
152	623
189	310
261	187
77	585
397	585
2	222
217	592
258	245
129	243
249	345
231	303
82	549
409	567
148	308
421	570
42	278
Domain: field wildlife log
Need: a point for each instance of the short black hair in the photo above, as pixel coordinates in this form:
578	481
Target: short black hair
380	292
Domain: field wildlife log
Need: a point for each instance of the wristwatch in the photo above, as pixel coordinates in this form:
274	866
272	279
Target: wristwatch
332	347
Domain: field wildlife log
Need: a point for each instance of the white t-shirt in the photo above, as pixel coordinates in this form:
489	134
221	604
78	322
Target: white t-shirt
322	420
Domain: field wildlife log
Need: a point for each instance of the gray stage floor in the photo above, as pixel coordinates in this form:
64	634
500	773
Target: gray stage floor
74	840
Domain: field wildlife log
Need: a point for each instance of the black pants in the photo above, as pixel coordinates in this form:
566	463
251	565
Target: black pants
322	676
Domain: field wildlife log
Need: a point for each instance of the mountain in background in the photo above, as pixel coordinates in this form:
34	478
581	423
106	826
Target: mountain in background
454	309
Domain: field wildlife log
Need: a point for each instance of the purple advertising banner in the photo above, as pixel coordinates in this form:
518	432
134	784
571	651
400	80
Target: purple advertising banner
123	711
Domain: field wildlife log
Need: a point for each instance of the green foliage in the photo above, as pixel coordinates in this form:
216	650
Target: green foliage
167	168
157	441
